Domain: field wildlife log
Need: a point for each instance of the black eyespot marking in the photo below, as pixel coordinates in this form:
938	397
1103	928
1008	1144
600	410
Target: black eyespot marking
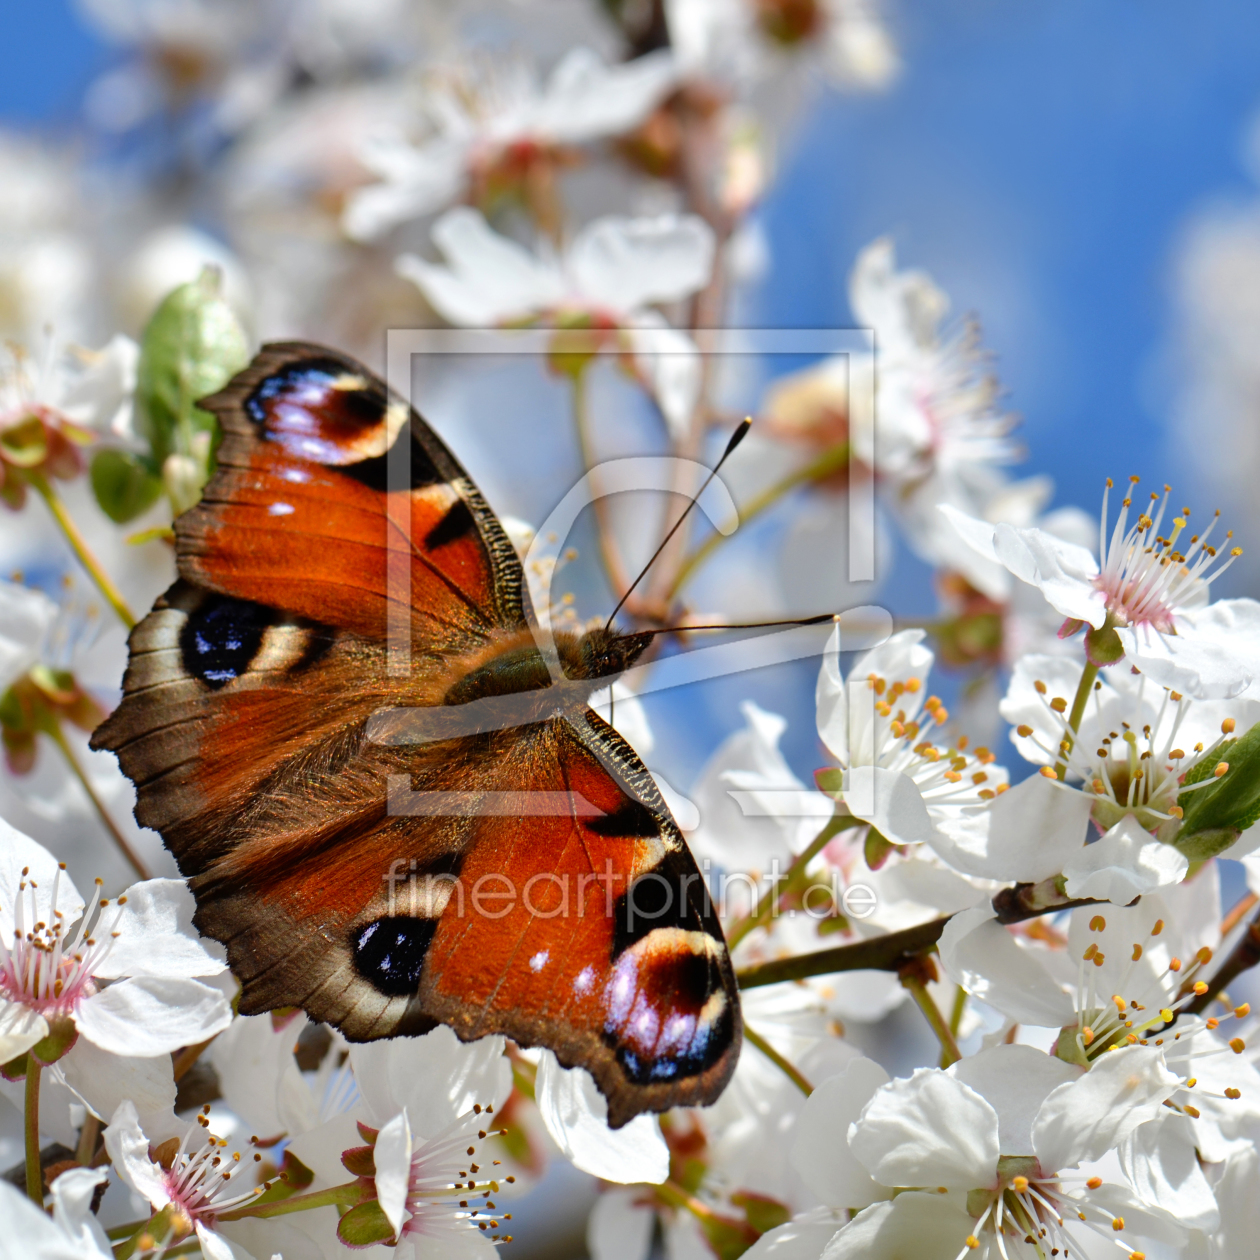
222	637
389	953
653	901
310	385
668	1012
416	471
456	524
631	818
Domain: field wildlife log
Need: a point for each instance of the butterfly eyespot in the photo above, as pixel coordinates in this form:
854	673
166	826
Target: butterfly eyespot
667	1016
222	637
389	952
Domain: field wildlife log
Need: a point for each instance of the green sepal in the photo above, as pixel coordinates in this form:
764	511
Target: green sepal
1103	646
877	849
359	1160
62	1034
191	348
25	444
365	1226
124	485
762	1212
830	781
15	1069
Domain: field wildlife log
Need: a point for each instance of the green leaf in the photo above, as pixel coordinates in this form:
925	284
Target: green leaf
192	347
1225	807
364	1225
123	485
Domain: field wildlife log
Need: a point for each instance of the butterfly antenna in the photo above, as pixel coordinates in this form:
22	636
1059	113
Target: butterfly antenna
744	625
736	438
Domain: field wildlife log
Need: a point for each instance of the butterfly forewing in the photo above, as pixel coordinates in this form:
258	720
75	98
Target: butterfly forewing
549	896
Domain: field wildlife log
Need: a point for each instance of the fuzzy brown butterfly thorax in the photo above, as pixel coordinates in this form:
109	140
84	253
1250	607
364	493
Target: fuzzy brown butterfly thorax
517	664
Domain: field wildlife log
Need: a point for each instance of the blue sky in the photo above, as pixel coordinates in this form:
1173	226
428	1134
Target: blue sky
1039	157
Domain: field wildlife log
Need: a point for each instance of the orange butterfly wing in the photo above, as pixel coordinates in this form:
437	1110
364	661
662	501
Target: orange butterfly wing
245	726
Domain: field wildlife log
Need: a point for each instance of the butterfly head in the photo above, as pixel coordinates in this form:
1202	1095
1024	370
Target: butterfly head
600	653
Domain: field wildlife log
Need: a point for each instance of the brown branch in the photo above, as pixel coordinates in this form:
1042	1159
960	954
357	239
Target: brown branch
1244	956
892	951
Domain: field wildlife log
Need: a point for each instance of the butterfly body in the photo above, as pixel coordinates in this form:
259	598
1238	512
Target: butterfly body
385	784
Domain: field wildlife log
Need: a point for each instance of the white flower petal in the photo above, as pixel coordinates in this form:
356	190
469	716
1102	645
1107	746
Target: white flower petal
72	1194
1085	1119
576	1116
670	361
918	1226
819	1153
488	278
1064	572
26	1233
802	1238
20	1028
129	1152
152	1016
620	1226
890	801
586	99
1123	864
26	616
1161	1162
1015	1080
405	1073
928	1130
216	1247
103	1081
156	936
623	264
392	1155
1214	655
1026	834
980	954
259	1076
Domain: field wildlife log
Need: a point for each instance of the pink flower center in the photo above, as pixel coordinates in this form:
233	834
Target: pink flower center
1143	575
46	969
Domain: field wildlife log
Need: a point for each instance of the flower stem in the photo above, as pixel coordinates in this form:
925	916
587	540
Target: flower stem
80	548
959	1009
614	568
85	1149
350	1193
918	990
58	737
830	461
779	1061
1083	688
795	873
34	1171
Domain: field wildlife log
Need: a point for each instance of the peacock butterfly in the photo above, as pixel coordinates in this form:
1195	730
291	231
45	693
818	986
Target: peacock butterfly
247	727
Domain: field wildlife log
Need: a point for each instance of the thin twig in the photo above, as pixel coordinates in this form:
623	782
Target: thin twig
80	548
57	735
915	985
1244	956
779	1061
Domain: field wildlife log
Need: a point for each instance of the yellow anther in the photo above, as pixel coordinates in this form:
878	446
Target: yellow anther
1019	1184
1093	1183
1118	1224
1200	988
1048	772
1227	726
1165	1013
1137	952
1232	1093
1243	1011
1221	768
1098	924
1023	730
1238	1045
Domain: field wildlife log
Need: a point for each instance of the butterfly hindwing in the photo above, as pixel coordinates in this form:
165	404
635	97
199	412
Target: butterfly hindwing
245	726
